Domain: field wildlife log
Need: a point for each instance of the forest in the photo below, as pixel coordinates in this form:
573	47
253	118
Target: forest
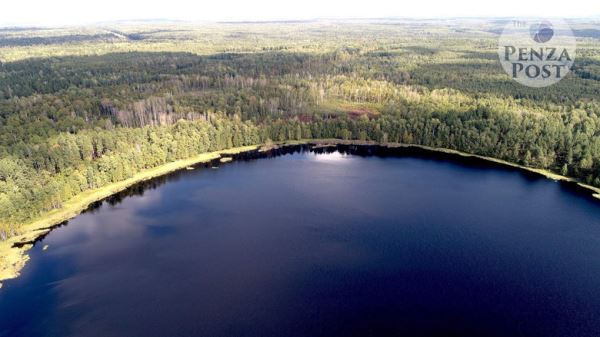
81	108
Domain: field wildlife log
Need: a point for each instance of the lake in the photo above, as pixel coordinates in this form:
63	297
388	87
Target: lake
344	242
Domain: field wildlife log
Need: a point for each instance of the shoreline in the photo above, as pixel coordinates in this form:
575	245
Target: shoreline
13	252
323	143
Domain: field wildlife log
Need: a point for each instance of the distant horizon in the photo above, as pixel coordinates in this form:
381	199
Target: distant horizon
274	20
61	13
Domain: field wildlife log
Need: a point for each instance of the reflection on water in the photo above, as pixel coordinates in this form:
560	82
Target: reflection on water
350	241
331	157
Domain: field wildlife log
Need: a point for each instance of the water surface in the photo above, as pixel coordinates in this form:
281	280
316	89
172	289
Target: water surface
333	244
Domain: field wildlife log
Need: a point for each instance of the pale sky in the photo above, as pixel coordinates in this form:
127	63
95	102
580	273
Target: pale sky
75	12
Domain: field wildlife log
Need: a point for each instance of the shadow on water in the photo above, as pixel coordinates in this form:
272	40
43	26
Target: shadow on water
472	163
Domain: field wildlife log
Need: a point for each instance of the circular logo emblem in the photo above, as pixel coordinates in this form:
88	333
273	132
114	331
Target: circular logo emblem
537	52
541	32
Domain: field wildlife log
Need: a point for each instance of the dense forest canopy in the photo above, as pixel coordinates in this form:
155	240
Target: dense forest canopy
84	107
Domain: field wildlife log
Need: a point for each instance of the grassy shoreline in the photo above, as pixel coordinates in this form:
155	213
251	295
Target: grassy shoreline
13	259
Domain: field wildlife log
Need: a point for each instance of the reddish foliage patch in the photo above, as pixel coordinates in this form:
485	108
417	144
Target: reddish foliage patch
305	118
356	113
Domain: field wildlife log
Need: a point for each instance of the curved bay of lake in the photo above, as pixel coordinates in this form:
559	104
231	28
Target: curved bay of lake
321	244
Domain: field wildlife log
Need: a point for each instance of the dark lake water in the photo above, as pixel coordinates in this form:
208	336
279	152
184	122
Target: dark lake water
307	244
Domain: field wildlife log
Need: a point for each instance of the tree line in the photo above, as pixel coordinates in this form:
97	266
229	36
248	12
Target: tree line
80	109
